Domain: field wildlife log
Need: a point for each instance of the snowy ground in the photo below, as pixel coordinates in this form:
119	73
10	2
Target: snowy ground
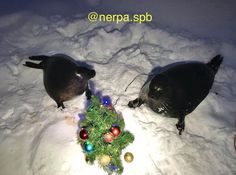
35	138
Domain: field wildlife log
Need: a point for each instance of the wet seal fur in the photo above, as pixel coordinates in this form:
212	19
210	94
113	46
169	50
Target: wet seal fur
64	78
178	90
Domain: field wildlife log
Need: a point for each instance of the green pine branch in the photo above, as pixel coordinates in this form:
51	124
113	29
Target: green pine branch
98	120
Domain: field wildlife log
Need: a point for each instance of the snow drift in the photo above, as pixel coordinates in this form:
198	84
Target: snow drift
36	138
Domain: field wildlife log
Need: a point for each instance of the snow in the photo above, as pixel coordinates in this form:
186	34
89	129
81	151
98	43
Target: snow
37	138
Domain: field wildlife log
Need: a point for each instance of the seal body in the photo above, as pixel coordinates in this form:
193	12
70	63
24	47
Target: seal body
63	77
178	90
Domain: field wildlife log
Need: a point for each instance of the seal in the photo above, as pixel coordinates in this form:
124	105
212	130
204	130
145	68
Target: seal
178	90
64	78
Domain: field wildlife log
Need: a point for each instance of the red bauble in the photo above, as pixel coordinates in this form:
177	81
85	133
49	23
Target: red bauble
110	107
83	134
108	137
115	130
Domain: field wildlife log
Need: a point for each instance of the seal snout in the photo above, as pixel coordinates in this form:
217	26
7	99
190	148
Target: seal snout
86	72
92	73
135	103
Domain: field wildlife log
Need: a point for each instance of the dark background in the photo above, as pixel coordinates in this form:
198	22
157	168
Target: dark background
214	19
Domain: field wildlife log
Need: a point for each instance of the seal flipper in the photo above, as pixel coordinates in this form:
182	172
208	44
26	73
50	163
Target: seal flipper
60	104
33	65
39	57
36	58
181	124
135	103
215	62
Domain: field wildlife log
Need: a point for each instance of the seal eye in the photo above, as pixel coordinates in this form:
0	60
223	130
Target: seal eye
155	92
158	89
78	75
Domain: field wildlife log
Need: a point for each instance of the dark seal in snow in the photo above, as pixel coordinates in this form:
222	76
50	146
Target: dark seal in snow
178	90
63	77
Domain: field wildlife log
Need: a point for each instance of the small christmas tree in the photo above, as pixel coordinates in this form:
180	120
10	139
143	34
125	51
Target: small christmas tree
101	135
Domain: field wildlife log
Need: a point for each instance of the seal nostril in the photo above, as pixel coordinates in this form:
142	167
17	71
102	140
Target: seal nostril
92	73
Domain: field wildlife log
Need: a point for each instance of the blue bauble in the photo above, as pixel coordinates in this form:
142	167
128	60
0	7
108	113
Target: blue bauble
81	116
88	147
112	167
106	101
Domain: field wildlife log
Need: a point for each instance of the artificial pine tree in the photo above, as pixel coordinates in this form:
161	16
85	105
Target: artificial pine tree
102	136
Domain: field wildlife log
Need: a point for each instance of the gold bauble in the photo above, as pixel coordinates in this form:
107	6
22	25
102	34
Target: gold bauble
129	157
104	160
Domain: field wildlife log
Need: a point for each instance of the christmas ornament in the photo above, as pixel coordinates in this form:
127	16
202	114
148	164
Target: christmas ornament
104	160
88	147
83	134
110	107
115	130
112	167
106	101
108	137
129	157
81	116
